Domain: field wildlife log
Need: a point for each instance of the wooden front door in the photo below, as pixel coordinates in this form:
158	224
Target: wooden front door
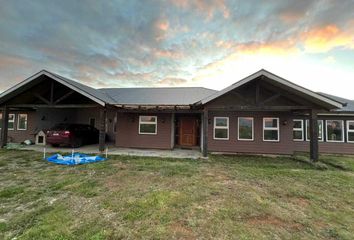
188	131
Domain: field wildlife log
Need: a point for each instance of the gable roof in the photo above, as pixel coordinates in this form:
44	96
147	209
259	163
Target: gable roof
349	104
315	97
157	96
87	91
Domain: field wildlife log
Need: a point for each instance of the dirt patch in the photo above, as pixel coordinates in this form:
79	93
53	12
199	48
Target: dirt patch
181	231
303	202
273	221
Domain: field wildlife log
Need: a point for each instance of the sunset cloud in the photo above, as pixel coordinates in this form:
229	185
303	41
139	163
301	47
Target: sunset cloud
175	42
326	38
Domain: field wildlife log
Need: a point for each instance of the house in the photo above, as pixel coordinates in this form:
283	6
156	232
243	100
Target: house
262	113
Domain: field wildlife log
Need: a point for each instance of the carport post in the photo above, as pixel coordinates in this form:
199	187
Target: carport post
102	129
313	135
5	121
205	132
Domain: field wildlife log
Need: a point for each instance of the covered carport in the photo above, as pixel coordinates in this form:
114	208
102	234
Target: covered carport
53	99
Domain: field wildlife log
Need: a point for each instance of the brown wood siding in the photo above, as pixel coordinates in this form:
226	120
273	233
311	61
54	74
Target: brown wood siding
128	131
328	147
286	145
19	136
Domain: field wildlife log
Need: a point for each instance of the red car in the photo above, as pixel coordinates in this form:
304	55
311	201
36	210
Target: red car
74	135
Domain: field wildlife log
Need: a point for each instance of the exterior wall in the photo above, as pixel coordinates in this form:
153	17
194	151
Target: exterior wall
22	135
128	131
44	119
286	145
83	115
47	118
328	147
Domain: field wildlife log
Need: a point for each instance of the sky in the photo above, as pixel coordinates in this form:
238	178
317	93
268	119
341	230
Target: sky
172	43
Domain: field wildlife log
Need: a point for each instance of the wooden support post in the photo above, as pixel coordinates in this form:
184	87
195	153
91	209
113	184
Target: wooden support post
52	93
205	132
257	93
313	135
5	121
102	129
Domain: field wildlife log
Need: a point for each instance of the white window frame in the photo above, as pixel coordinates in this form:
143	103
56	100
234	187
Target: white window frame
307	125
349	130
18	121
0	119
334	141
298	130
238	130
152	123
271	129
222	127
13	121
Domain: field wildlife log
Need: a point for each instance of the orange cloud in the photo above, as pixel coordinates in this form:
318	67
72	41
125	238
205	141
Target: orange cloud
10	61
162	25
326	38
168	54
171	81
208	7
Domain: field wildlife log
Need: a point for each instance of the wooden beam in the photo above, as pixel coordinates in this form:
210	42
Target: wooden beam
4	130
64	96
102	129
154	110
42	98
239	96
54	106
313	135
260	108
205	132
258	90
52	92
270	99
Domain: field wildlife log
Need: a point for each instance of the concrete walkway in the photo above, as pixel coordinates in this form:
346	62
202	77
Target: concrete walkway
112	150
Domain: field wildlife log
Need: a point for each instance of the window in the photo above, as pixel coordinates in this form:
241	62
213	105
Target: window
245	128
221	128
320	130
147	125
11	124
335	130
22	122
0	120
350	131
298	130
271	129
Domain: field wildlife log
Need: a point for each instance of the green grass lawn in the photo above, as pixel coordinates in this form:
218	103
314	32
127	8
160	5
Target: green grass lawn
225	197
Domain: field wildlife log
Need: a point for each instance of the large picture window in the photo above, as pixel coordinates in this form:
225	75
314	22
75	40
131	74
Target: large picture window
335	130
22	122
271	129
221	128
350	131
320	130
245	128
11	123
148	125
298	130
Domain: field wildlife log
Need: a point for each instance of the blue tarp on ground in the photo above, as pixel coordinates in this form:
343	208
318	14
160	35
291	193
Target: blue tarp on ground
74	159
